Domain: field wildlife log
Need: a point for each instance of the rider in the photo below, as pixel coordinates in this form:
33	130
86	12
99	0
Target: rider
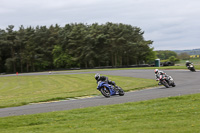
187	64
158	73
105	79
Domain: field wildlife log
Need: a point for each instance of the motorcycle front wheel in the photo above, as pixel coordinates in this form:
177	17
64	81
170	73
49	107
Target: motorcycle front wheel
173	84
192	69
121	91
105	92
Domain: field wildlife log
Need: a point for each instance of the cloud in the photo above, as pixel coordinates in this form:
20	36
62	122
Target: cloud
171	24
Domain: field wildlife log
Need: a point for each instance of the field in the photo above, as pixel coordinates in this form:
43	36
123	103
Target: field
167	115
22	90
172	114
196	63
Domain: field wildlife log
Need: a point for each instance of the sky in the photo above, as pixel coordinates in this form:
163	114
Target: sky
170	24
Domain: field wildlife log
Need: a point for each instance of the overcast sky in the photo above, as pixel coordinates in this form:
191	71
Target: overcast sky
171	24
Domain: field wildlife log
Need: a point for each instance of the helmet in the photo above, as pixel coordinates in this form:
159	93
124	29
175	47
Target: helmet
97	76
187	61
156	70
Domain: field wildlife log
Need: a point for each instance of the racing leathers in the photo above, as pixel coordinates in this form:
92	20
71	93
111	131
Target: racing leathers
187	64
157	76
105	79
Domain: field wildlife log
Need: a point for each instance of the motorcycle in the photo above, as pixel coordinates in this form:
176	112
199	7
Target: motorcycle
191	67
108	90
167	81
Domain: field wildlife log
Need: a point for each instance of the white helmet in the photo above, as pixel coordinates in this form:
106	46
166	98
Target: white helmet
97	76
156	70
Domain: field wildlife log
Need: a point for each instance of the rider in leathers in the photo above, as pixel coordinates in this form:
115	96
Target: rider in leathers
187	64
105	79
158	73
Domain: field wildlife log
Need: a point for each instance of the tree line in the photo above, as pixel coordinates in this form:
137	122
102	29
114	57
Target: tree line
74	45
173	56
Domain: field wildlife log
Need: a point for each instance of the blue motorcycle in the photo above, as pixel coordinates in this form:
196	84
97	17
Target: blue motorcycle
108	90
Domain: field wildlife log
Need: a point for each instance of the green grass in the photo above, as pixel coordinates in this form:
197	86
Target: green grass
196	61
22	90
178	65
179	114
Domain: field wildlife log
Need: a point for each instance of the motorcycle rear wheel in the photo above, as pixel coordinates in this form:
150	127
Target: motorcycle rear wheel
105	92
192	69
173	85
165	83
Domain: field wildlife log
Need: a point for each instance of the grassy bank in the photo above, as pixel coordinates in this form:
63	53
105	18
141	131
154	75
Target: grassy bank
167	115
180	65
197	67
195	61
21	90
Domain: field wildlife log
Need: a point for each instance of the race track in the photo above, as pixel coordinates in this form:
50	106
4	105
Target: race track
187	83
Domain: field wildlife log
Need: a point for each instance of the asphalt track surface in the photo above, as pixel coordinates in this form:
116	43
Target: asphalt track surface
186	83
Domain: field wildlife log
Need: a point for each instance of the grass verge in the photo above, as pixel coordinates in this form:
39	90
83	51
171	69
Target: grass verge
22	90
167	115
197	67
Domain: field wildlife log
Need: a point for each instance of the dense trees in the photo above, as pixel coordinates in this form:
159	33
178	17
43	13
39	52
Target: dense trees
165	54
74	45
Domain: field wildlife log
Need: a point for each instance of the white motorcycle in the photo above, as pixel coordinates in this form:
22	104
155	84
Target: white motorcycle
191	67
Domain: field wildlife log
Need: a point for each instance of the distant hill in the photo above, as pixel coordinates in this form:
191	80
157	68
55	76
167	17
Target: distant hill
190	52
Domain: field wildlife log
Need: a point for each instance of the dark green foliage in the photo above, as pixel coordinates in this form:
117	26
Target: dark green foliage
74	45
165	54
61	58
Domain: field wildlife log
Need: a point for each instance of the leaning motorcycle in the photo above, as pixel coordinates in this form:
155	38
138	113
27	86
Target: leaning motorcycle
108	90
191	67
166	81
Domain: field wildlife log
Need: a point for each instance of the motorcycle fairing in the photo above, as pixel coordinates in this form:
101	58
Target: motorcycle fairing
105	85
